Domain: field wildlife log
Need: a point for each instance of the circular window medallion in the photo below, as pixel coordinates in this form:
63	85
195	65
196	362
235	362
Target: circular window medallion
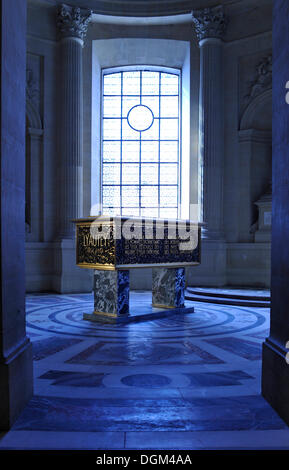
140	117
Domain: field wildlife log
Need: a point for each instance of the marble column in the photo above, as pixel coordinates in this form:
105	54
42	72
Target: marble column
275	365
210	25
16	373
72	23
168	287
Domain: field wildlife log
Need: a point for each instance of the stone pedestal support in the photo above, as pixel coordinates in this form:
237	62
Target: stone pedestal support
168	287
210	25
72	25
111	292
111	296
16	374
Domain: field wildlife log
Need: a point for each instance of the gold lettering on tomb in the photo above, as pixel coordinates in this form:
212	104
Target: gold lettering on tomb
88	240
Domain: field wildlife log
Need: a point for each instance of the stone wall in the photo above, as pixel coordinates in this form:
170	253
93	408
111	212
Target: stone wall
238	260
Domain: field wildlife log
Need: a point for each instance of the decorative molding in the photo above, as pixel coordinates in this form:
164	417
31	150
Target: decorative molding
248	39
33	115
210	22
263	78
255	135
35	133
72	21
33	99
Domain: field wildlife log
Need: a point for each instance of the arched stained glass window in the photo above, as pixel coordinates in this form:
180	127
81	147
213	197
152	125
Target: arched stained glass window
141	142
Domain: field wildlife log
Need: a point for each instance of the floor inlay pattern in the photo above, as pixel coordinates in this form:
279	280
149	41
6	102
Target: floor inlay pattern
165	383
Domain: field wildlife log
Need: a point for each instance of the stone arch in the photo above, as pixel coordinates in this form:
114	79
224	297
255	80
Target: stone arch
255	109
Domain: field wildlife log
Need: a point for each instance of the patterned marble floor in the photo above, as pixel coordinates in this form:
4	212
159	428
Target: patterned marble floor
190	381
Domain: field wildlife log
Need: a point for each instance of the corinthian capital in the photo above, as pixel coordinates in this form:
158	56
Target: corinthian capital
73	21
210	22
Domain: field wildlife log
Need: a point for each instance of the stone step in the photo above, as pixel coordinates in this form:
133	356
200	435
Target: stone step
227	301
235	294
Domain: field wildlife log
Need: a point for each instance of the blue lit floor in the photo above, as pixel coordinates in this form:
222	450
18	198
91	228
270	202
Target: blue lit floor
189	381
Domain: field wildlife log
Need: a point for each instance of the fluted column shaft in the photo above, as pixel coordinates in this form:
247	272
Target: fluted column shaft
212	134
71	143
72	23
210	25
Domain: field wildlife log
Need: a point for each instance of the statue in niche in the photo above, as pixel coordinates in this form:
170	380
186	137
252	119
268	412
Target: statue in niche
263	79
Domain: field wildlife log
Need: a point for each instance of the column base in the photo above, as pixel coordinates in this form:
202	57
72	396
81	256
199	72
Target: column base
275	377
16	379
68	277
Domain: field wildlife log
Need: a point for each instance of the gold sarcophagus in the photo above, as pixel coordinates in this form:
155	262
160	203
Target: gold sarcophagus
121	243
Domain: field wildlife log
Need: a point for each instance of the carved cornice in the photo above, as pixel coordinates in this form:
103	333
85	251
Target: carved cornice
210	22
263	78
72	21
